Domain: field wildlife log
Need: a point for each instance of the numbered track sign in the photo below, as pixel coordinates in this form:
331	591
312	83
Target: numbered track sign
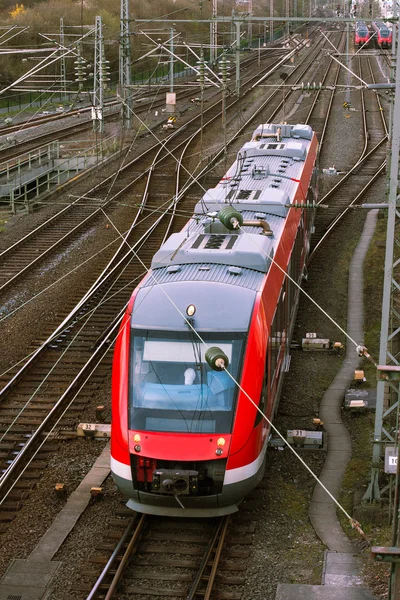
391	460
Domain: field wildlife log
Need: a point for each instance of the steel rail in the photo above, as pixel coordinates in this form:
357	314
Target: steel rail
105	572
52	417
359	195
365	155
125	558
213	552
385	125
41	120
14	151
96	211
331	98
351	171
37	122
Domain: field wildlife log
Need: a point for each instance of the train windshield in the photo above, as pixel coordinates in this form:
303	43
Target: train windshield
171	386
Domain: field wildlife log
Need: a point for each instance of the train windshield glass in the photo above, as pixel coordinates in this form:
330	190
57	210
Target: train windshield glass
171	386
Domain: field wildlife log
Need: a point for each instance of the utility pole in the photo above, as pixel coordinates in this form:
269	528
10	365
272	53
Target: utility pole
250	25
271	23
63	73
287	11
213	33
125	65
389	368
171	60
100	77
225	79
201	81
237	58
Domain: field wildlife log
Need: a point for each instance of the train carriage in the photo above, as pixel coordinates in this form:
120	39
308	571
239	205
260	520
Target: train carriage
361	34
383	35
186	440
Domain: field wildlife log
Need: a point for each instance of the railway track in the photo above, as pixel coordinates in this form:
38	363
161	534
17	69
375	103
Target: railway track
57	345
51	373
371	163
55	380
83	121
70	222
156	558
38	396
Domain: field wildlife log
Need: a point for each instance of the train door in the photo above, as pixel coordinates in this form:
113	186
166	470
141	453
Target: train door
277	347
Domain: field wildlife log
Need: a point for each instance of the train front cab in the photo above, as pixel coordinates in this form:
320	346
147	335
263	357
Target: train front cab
189	478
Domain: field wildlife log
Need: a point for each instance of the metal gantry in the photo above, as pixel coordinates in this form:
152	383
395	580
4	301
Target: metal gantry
271	22
250	25
63	71
386	429
214	33
125	65
100	78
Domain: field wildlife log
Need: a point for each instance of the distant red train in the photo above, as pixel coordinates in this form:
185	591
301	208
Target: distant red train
361	35
186	441
383	37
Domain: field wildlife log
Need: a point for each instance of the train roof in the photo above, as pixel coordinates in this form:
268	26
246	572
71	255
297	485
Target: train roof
361	25
381	25
261	184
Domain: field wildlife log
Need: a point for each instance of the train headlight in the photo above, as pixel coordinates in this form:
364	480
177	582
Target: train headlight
191	309
221	442
218	451
137	448
136	438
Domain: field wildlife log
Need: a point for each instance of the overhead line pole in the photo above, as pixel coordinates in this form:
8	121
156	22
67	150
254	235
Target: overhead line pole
214	33
125	65
389	355
63	73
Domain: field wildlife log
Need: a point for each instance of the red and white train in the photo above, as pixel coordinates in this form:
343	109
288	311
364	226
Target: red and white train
361	34
383	35
186	440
